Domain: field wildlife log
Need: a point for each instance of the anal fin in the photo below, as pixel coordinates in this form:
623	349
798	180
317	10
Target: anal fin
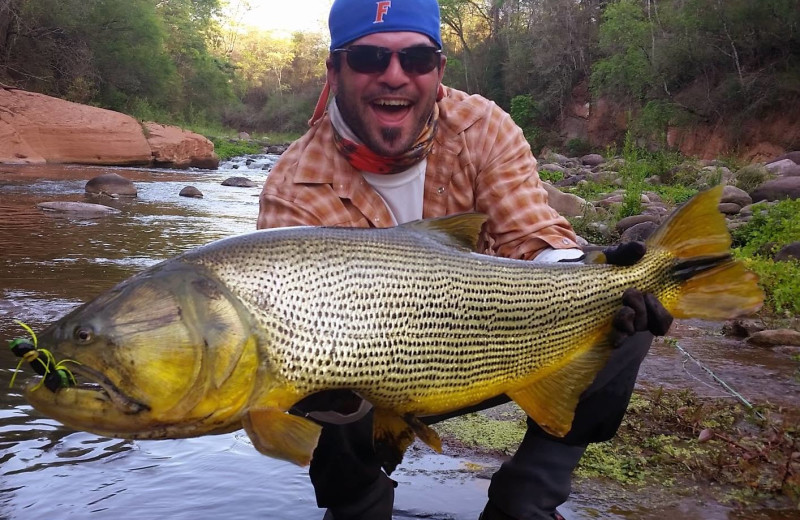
393	434
551	400
278	434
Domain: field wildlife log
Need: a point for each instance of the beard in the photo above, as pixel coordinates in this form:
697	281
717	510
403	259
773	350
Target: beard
388	141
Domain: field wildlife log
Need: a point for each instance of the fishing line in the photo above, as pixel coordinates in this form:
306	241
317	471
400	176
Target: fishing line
719	380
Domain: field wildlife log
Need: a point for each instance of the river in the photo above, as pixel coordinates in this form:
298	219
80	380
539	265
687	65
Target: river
50	264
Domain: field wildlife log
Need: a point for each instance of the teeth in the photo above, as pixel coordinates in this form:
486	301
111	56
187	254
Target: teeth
392	102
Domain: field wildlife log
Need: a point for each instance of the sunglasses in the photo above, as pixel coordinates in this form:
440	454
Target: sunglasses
371	59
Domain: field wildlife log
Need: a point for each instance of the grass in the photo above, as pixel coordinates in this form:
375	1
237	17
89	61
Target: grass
746	460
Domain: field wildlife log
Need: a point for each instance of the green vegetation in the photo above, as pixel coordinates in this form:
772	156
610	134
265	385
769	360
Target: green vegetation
476	430
771	228
668	439
658	443
227	148
195	62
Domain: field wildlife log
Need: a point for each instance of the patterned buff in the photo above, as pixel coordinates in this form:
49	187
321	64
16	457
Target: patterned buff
364	159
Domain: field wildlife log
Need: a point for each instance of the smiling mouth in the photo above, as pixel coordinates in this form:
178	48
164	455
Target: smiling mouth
99	383
392	106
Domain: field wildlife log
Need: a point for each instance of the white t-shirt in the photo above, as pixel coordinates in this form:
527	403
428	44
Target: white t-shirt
403	191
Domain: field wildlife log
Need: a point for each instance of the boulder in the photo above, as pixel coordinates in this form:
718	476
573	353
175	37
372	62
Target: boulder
788	252
735	195
112	185
784	168
593	159
77	209
775	337
792	156
174	147
638	232
36	129
191	191
631	221
239	182
729	208
566	204
777	189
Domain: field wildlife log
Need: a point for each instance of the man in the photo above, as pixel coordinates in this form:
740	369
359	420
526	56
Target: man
395	145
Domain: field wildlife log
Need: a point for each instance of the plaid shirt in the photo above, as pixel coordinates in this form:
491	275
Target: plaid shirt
480	162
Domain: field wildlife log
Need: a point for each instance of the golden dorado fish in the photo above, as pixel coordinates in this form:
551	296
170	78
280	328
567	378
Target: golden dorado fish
234	333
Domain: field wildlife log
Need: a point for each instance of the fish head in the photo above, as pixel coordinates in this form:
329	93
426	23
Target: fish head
168	353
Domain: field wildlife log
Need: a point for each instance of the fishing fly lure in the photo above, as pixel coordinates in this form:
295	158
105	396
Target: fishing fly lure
54	374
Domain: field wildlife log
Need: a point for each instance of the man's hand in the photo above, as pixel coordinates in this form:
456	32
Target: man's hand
640	311
333	406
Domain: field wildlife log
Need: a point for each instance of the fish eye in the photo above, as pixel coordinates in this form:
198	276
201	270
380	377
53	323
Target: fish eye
83	334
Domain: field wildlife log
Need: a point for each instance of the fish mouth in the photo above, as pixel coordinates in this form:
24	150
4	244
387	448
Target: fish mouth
104	389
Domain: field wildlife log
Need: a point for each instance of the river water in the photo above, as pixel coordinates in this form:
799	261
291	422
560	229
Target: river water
50	264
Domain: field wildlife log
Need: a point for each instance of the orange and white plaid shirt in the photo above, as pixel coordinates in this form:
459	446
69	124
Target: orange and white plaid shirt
480	161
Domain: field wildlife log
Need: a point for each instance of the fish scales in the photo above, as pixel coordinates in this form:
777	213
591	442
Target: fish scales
406	321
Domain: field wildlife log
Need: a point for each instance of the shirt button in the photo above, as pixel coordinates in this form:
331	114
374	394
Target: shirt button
565	241
440	190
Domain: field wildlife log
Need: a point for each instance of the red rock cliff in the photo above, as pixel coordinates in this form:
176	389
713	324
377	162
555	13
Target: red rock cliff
36	129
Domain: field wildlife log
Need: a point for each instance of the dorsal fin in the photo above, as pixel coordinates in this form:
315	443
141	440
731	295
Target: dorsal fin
460	230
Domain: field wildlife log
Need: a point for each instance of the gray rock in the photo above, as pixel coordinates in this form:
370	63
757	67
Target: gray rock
191	191
276	149
638	232
775	337
742	327
552	168
784	168
777	189
736	196
729	208
77	209
239	182
566	204
631	221
592	159
788	252
111	185
792	156
556	158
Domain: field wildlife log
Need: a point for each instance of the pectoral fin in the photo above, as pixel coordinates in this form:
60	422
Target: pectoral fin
393	434
552	399
278	434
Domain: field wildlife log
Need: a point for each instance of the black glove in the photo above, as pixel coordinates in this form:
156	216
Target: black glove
640	311
332	406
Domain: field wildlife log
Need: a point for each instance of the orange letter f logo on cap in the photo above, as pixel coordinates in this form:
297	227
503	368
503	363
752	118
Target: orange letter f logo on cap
383	8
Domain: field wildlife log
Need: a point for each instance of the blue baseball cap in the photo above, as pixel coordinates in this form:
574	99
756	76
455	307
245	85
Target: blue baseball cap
352	19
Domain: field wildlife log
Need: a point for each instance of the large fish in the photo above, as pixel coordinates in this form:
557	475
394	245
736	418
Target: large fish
234	333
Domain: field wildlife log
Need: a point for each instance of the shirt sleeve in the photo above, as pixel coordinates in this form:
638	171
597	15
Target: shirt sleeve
508	189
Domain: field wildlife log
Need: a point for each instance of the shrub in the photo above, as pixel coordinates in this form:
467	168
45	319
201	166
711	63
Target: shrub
577	147
551	176
781	284
752	175
778	225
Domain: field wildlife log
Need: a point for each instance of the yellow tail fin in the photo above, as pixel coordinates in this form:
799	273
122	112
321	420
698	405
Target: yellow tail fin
713	285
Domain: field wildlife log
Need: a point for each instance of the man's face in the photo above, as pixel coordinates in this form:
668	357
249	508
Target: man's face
386	110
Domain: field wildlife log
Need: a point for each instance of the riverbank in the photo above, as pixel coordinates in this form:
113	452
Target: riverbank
687	448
